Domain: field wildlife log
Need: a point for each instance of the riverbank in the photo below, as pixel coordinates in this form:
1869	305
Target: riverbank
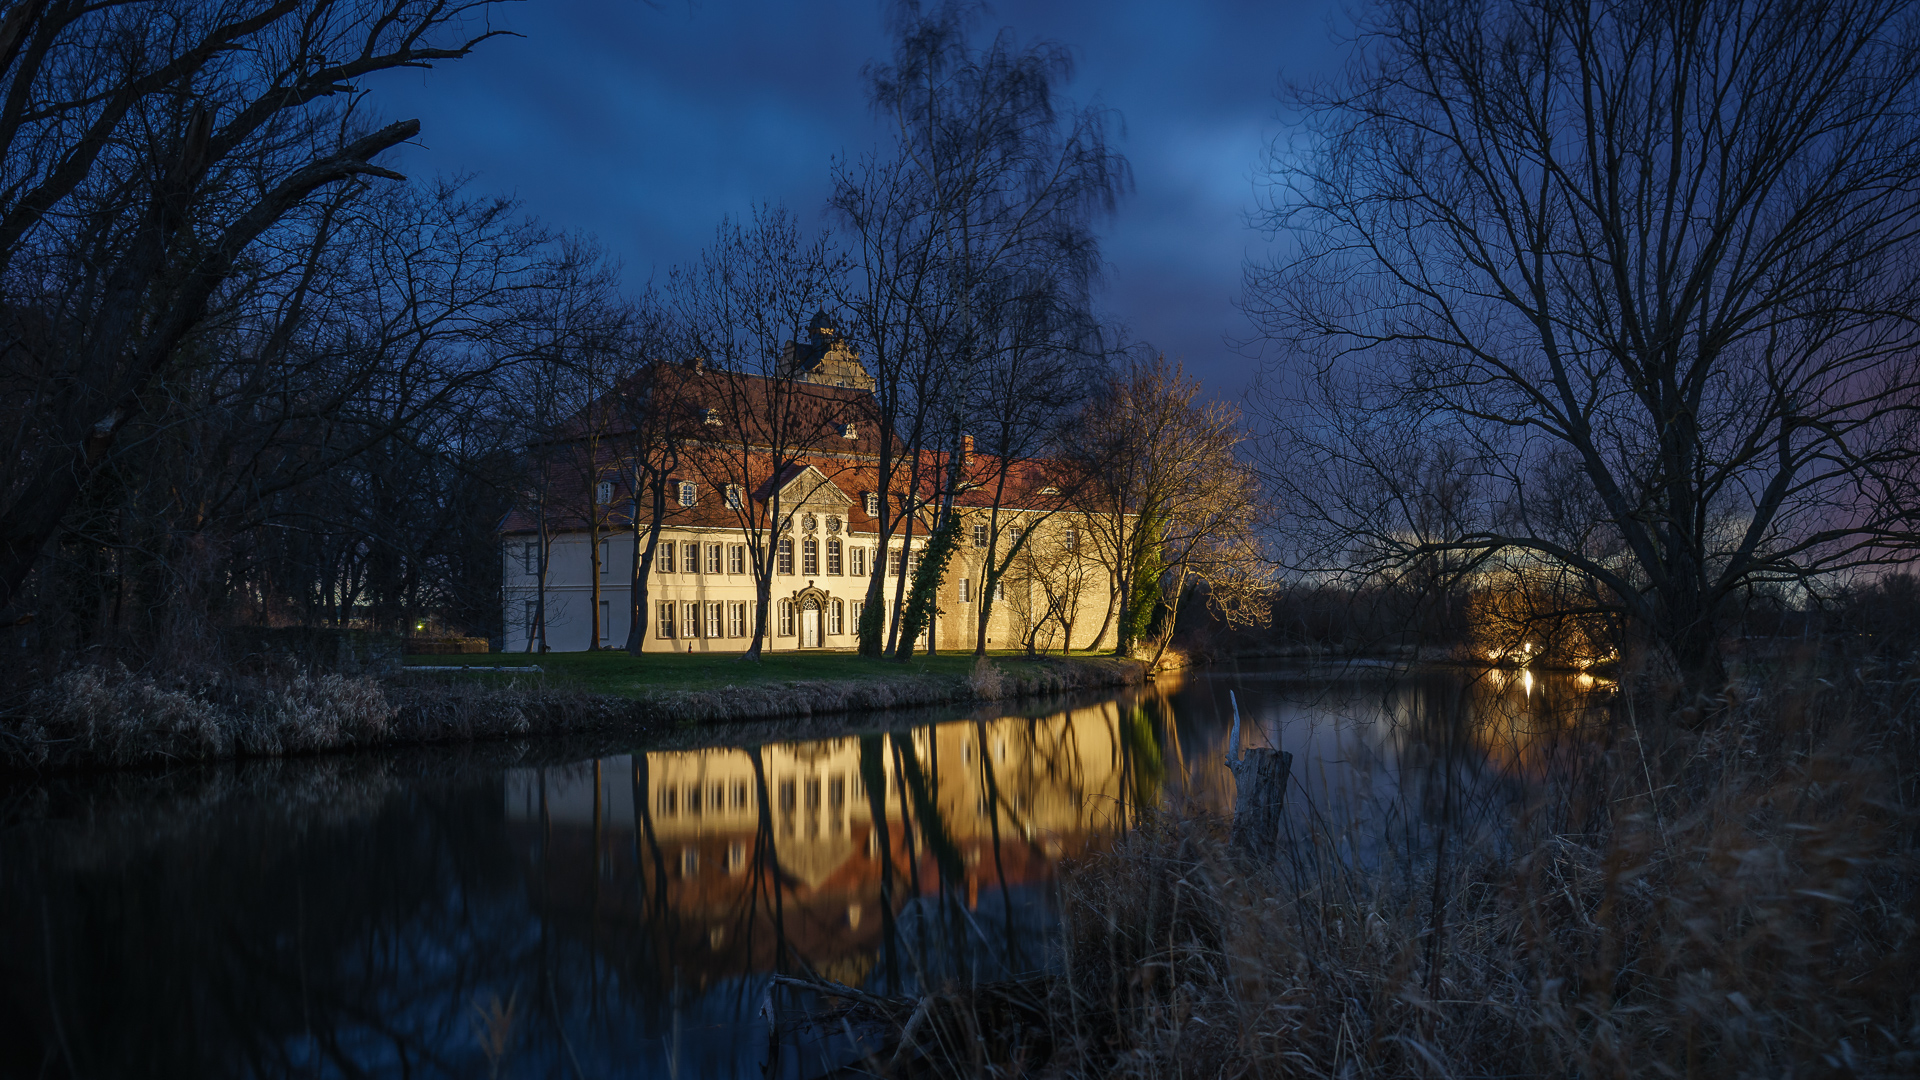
102	718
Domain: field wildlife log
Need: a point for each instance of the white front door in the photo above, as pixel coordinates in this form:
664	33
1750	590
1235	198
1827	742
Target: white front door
810	628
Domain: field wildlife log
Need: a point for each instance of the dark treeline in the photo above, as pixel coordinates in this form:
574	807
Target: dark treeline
250	375
1877	617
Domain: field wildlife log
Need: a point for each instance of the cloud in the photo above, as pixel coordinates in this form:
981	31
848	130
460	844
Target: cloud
644	125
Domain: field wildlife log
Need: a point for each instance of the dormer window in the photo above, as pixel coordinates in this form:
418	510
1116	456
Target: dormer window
871	500
848	431
603	492
710	416
688	492
1049	490
733	496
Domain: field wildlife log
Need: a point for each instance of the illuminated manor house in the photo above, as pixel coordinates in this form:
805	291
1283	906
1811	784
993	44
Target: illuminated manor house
818	515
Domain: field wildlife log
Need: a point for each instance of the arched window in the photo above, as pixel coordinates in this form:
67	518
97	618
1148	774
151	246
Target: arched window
809	557
836	614
786	618
833	556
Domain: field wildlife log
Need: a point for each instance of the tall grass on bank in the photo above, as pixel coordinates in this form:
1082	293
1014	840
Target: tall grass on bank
1738	900
1734	900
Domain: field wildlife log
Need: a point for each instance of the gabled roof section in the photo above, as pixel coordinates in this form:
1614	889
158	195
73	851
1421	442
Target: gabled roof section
809	481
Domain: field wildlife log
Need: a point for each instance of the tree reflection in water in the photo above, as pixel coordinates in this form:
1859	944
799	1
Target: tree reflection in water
450	915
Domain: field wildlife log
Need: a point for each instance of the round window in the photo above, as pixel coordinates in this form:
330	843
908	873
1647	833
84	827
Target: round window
808	522
833	524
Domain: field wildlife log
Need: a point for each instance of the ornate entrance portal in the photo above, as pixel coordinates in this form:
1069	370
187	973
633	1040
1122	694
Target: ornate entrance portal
810	623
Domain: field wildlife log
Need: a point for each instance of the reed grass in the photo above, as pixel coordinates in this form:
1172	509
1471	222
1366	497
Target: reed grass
1736	899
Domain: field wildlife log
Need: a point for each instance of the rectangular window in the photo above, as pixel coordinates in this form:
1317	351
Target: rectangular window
915	568
979	536
1072	540
603	492
736	620
809	557
606	621
690	620
857	560
687	492
786	618
737	559
894	562
713	620
785	555
663	558
966	591
606	551
713	558
533	617
833	556
872	501
733	496
835	617
664	621
529	558
853	609
1000	589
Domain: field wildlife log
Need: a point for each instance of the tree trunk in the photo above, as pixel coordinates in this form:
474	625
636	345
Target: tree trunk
1260	780
638	592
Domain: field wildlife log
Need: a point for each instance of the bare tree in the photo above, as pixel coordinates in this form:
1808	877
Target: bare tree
660	425
984	216
1660	253
1026	400
1167	499
740	309
147	145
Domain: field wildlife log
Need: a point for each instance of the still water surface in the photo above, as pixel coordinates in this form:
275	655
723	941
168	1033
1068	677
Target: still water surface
558	910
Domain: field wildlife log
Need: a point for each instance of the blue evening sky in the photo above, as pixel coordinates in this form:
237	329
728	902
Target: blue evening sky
643	125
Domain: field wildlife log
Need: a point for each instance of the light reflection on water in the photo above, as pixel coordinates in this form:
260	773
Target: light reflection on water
621	914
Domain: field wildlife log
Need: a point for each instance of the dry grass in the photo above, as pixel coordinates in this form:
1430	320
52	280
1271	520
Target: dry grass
1735	901
109	717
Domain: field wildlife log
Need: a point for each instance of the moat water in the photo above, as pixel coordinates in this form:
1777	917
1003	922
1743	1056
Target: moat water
553	909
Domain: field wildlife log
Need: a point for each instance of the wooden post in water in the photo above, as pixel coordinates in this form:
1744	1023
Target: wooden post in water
1260	780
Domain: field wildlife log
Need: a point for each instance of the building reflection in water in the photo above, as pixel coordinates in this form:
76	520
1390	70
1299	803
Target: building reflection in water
885	860
923	852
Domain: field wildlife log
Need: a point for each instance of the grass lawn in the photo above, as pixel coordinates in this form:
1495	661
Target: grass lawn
616	672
